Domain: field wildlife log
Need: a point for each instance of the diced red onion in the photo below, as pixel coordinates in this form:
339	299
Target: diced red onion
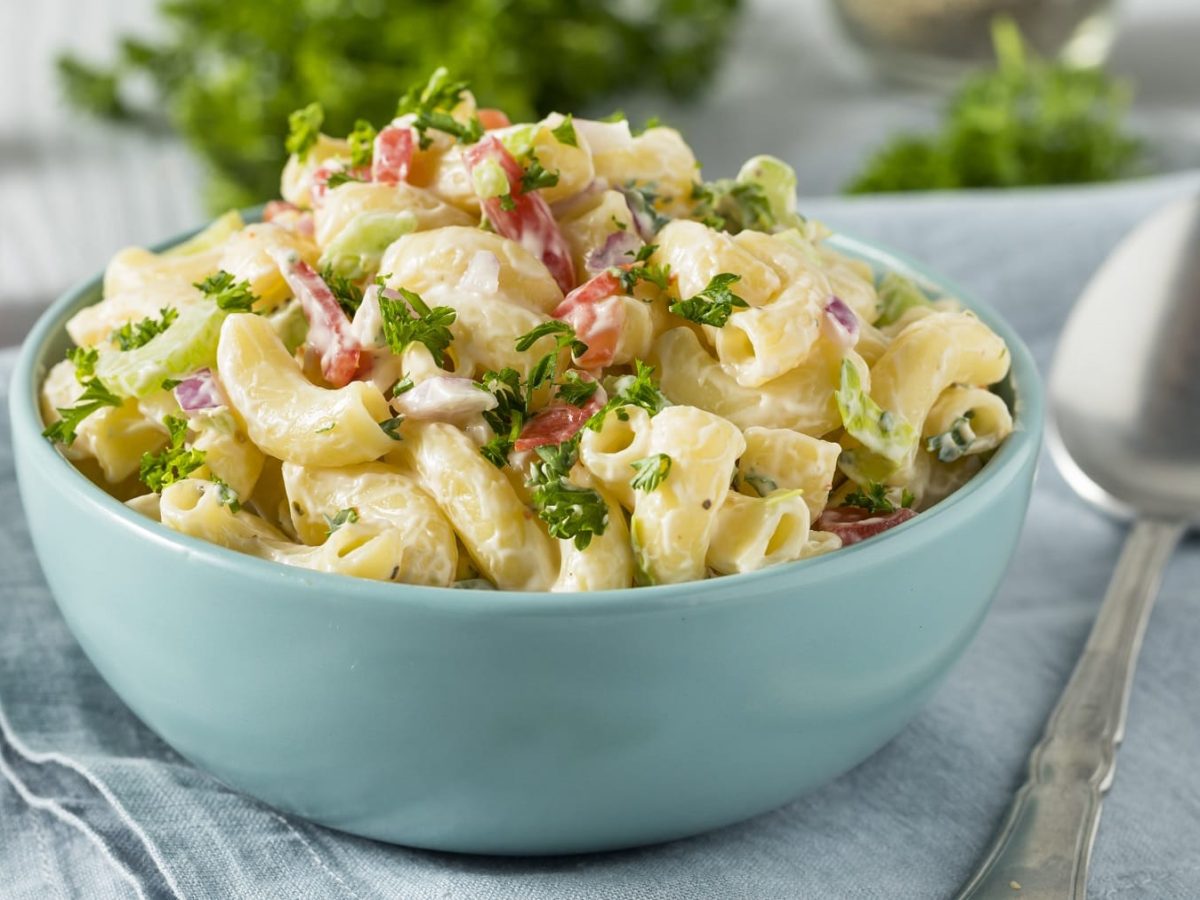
853	524
840	324
200	391
618	249
443	398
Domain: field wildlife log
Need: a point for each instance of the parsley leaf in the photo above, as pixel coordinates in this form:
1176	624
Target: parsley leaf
226	495
431	106
421	325
342	176
632	390
574	389
650	472
535	177
569	511
874	499
641	270
132	335
362	143
84	359
95	396
304	127
391	427
508	416
546	368
348	295
174	463
564	132
403	386
713	305
226	293
346	516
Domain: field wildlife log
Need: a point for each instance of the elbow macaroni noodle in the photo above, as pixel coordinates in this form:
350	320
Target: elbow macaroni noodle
294	418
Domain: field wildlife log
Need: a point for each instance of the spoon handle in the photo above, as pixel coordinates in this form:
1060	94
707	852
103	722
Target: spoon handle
1042	850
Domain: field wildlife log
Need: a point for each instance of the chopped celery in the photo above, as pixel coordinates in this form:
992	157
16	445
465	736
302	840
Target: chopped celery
897	295
290	324
188	344
356	251
490	180
519	141
882	432
777	180
216	233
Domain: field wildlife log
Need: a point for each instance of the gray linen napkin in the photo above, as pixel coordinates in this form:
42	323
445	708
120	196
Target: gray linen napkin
93	805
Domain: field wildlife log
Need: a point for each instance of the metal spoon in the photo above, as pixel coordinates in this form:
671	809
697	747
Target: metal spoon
1125	430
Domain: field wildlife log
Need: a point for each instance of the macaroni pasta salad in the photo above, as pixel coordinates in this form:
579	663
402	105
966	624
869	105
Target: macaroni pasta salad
539	356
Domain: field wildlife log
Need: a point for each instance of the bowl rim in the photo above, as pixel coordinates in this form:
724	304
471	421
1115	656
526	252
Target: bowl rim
1017	452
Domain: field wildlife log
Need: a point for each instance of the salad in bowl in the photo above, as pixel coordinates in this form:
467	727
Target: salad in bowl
541	356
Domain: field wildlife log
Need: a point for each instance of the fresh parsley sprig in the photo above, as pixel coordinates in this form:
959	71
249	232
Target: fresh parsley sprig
874	499
84	359
713	305
348	294
132	335
641	269
410	320
536	176
304	127
570	512
95	397
431	106
362	143
575	389
650	472
507	418
174	463
637	389
228	294
545	370
564	132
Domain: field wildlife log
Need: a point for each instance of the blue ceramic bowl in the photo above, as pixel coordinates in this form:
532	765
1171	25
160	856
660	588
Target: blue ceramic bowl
513	723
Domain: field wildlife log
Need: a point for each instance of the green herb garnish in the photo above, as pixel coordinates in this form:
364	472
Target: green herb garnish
84	359
713	305
420	324
348	295
304	127
172	464
95	397
564	132
650	472
362	143
226	293
431	105
637	389
132	335
570	512
346	516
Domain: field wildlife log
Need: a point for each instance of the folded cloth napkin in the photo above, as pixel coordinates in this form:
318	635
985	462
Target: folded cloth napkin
93	805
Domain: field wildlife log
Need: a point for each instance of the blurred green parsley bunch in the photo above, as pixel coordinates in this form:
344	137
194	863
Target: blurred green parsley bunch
1027	122
227	75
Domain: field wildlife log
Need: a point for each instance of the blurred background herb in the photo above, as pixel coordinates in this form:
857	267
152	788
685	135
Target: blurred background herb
1027	121
227	74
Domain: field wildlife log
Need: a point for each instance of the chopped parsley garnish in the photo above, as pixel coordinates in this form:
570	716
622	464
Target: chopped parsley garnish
632	390
431	106
174	463
84	359
95	397
570	512
507	203
304	127
362	143
348	295
713	305
642	270
226	495
169	384
650	472
874	499
576	390
508	416
132	335
346	516
226	293
955	442
342	176
733	206
546	368
420	324
535	177
391	427
403	386
564	132
762	484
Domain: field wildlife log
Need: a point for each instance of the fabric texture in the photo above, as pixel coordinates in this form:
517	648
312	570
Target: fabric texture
93	805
